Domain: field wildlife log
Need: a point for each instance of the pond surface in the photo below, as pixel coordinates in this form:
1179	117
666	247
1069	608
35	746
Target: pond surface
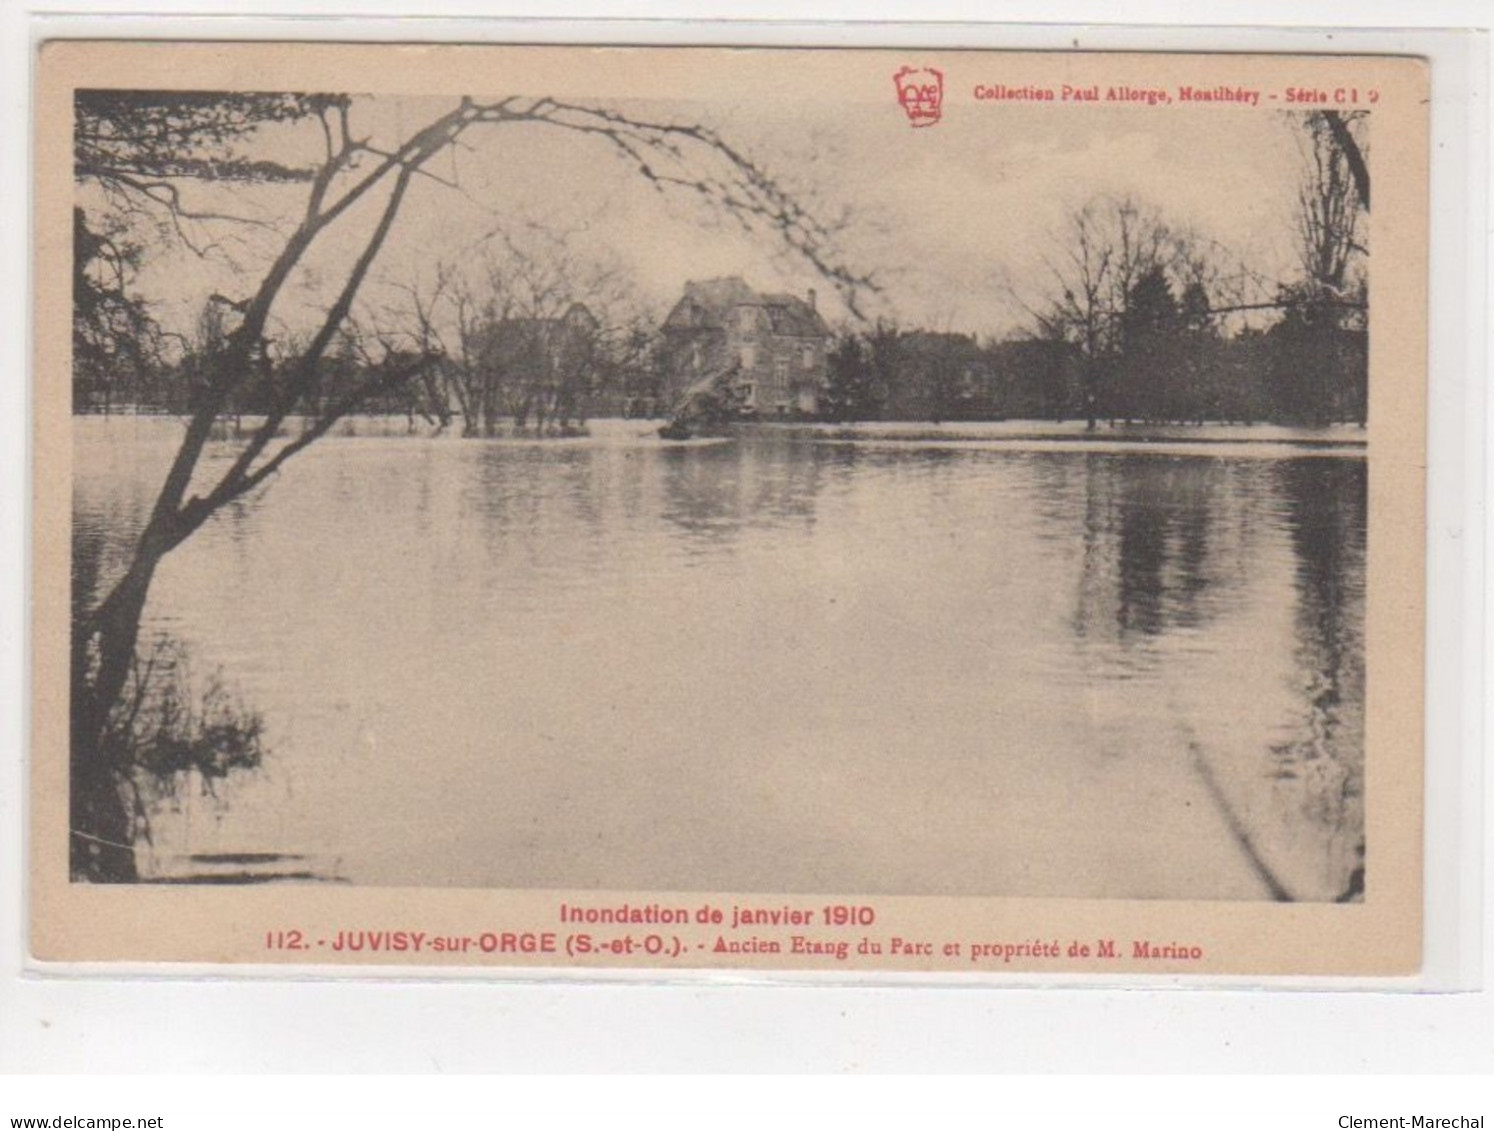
779	663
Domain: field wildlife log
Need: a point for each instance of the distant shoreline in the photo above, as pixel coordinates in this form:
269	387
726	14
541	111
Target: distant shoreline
1334	436
1350	440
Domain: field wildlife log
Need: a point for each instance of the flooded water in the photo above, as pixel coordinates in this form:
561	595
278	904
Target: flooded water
788	662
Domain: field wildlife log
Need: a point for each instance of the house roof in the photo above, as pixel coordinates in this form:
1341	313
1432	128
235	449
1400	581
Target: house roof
717	298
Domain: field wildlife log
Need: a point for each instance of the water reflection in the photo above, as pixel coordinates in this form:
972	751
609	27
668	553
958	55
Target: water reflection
713	492
777	664
1169	546
1321	767
1166	541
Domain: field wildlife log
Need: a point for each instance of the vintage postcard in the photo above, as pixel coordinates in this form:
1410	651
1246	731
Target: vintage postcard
875	511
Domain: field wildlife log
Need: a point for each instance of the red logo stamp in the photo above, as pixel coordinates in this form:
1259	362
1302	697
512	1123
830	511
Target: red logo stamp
920	91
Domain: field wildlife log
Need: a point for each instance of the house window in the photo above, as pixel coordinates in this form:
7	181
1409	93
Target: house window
780	373
749	357
808	355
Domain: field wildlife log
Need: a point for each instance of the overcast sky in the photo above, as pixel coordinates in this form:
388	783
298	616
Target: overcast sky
945	216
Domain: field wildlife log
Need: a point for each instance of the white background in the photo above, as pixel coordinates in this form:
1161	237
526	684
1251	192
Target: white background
97	1023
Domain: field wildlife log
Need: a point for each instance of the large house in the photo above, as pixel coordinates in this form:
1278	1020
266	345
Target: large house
770	348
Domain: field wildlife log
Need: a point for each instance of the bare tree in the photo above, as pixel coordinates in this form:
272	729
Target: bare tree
1103	251
443	321
143	149
531	329
429	397
1331	198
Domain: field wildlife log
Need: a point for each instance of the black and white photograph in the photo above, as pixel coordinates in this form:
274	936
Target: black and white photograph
954	485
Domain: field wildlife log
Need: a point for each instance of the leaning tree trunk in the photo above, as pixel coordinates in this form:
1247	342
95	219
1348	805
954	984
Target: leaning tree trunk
101	844
102	656
102	821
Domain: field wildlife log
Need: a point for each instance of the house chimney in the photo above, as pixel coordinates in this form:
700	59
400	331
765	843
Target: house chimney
811	298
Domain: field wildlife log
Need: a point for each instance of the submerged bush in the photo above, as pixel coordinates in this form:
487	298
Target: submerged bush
165	729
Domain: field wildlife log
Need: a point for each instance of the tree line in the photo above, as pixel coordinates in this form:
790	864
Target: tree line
1132	319
1168	364
520	336
1136	319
